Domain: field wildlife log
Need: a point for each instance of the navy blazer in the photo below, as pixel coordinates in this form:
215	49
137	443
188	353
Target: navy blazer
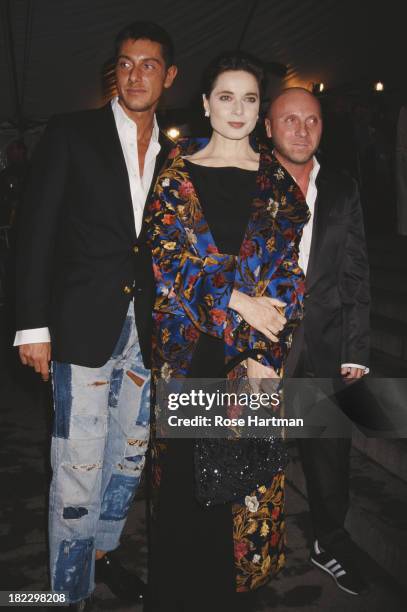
79	261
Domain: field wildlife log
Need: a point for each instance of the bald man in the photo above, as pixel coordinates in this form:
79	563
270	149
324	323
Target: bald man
333	338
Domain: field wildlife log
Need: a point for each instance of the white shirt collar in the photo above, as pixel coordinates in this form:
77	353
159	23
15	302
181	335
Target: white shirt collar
124	121
315	170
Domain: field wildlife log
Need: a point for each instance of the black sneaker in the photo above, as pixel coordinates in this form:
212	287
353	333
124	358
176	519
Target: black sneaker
340	568
124	584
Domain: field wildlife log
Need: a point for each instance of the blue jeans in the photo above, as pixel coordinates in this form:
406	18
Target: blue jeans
101	430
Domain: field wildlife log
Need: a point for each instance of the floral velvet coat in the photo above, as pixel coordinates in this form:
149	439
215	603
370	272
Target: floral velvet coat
195	281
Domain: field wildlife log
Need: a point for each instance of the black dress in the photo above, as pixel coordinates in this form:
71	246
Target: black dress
192	566
225	195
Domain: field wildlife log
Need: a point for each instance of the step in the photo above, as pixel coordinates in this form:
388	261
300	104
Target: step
377	517
389	336
391	454
389	303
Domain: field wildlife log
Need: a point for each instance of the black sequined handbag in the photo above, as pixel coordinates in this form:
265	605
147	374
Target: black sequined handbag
229	469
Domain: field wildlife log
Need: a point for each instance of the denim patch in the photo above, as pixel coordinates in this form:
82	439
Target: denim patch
143	417
74	513
123	339
62	386
118	497
116	381
73	568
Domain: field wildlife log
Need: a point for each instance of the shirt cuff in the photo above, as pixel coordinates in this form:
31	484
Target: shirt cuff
32	336
356	365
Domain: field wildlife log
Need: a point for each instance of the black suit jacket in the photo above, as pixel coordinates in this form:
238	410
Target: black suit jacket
335	327
79	261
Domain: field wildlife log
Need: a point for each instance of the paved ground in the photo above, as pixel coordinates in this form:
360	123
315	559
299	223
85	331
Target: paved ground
25	421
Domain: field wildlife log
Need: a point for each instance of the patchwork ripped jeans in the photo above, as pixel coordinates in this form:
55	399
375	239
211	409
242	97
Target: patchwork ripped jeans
101	430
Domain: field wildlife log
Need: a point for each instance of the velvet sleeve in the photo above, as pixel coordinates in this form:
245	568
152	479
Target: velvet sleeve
278	276
200	284
37	227
286	284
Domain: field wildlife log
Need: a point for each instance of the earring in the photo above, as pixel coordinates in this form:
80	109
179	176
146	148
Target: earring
206	113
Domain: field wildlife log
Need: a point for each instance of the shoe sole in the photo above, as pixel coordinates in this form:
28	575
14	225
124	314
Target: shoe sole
326	570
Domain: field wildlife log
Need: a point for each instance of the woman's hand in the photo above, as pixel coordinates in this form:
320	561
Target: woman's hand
260	312
258	374
258	370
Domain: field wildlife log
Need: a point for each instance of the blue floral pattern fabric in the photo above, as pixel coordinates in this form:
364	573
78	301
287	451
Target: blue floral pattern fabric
195	281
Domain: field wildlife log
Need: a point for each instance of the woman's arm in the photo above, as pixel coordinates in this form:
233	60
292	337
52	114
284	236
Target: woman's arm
201	286
286	284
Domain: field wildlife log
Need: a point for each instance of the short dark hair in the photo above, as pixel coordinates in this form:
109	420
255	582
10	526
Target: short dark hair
232	60
149	31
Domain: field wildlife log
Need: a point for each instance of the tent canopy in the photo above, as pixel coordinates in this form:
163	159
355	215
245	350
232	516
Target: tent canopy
60	46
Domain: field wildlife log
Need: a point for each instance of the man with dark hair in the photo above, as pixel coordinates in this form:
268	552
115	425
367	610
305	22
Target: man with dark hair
85	294
333	337
146	30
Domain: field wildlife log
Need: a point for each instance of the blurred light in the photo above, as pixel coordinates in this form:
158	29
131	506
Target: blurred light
173	133
318	87
379	86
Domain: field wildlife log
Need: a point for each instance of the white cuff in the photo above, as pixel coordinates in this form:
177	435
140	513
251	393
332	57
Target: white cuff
356	365
32	336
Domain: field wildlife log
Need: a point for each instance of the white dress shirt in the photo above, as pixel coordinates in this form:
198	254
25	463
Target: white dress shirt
139	188
306	239
311	196
139	185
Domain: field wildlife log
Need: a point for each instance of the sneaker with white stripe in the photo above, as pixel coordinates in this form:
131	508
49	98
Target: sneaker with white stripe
340	568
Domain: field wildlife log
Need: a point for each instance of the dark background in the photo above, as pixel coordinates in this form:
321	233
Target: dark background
54	57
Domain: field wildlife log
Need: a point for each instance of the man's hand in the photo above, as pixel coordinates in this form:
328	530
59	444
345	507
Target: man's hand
38	356
351	373
262	313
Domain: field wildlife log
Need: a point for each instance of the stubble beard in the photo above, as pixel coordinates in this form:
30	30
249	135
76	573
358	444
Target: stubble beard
299	159
136	107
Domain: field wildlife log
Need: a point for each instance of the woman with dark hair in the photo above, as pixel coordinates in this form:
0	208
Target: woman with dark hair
225	224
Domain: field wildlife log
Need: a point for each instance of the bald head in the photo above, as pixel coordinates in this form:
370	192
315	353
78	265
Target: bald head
293	96
294	121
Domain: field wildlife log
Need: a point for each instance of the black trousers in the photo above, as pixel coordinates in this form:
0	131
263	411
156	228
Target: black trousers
326	466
